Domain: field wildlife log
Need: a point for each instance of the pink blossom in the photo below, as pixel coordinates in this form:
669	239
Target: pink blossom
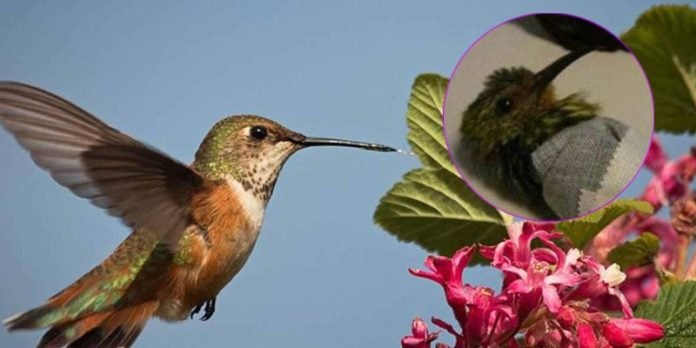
459	337
488	318
516	251
552	296
671	180
479	312
545	276
516	257
587	337
616	336
419	338
625	332
641	284
669	186
547	296
611	236
656	157
640	330
543	333
448	273
610	278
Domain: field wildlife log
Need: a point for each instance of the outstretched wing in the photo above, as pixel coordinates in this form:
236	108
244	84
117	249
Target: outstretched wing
135	182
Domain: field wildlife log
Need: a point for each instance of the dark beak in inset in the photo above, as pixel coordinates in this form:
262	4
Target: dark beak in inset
544	77
314	141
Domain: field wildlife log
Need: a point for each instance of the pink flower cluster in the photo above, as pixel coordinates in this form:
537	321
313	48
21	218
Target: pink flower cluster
671	178
545	299
669	184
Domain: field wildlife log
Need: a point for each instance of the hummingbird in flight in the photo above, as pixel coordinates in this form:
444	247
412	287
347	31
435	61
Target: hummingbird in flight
537	149
193	227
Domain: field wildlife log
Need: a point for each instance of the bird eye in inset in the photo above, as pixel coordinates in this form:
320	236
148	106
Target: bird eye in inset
258	132
503	106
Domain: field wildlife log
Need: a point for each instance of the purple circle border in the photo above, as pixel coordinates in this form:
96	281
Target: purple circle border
447	143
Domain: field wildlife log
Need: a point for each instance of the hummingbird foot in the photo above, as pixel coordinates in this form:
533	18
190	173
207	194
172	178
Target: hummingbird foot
195	310
209	310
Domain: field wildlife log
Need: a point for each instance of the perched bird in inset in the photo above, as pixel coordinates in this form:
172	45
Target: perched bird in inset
193	226
550	154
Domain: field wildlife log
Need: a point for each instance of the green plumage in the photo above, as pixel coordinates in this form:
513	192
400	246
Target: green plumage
139	259
508	121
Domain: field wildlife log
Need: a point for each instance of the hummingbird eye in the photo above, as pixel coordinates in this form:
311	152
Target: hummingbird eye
502	106
258	132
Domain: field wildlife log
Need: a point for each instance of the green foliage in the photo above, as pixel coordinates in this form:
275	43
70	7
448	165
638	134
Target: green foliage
424	120
663	39
638	252
581	231
434	209
675	309
432	206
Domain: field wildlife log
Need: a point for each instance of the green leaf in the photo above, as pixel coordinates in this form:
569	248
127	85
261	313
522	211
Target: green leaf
432	206
424	120
436	210
581	231
675	309
638	252
663	39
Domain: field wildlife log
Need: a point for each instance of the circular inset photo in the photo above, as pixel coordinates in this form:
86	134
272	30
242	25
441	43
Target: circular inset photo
548	117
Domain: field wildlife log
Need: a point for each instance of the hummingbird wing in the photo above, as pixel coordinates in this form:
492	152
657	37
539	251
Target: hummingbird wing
135	182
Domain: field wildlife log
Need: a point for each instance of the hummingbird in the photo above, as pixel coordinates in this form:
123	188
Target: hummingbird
193	226
534	147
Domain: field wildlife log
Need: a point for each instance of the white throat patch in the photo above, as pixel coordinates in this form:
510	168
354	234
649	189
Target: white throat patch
253	206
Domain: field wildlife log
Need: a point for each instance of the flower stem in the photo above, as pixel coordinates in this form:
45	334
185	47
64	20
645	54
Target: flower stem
682	254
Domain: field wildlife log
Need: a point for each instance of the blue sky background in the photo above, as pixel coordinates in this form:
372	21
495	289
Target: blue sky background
322	273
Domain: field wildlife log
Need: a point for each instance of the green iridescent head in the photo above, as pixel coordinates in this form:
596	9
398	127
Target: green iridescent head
519	108
252	150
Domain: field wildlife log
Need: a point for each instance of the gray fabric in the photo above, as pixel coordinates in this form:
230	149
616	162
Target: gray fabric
573	166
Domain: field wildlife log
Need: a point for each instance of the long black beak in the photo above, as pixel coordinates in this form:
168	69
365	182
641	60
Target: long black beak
544	77
314	141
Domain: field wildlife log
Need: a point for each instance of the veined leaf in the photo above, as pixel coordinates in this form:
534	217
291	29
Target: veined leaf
432	206
424	120
581	231
436	210
675	309
637	252
663	39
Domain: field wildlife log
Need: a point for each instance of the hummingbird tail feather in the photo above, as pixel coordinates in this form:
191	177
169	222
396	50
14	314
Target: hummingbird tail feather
114	328
65	307
119	328
26	320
